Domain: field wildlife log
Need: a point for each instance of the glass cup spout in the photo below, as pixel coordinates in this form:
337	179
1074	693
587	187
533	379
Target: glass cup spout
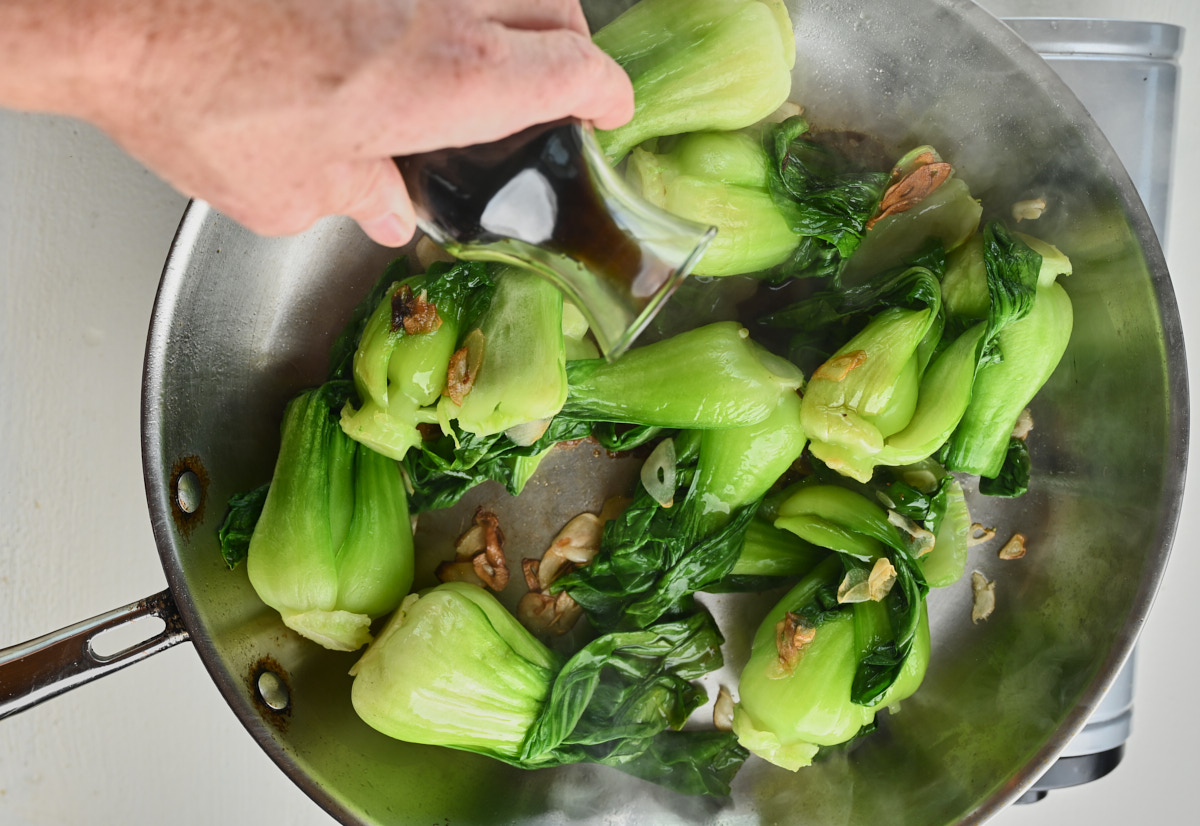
548	200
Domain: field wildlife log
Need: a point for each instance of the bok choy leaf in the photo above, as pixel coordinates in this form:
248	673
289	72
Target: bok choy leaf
453	668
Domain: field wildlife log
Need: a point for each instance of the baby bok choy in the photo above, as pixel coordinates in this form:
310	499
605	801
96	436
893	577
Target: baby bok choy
652	558
468	343
401	364
332	548
850	638
740	406
714	376
454	668
719	179
825	200
1022	355
796	693
883	581
868	390
459	372
699	65
896	391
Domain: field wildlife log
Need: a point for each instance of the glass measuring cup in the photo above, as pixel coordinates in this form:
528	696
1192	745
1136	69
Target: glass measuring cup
547	199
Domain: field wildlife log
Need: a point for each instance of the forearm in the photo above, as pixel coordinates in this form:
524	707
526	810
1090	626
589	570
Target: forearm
68	56
114	62
278	112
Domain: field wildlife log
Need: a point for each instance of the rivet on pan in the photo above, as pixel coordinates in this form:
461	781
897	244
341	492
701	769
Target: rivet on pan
272	690
188	491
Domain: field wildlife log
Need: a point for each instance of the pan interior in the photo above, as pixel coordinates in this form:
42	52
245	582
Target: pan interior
242	323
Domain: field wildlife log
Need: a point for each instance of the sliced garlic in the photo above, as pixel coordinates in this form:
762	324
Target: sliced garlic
1014	548
1028	210
978	535
983	592
723	710
881	579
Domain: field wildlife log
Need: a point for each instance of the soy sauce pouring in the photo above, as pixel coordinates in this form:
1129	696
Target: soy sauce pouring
547	199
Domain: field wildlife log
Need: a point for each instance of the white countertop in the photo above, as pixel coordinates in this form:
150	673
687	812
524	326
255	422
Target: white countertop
84	232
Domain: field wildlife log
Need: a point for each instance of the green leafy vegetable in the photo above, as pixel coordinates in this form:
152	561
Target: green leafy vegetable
768	556
1028	350
825	320
1013	478
718	179
332	547
925	337
738	465
824	200
442	469
399	374
651	562
652	559
928	495
699	65
453	668
518	346
796	691
238	525
867	391
712	376
861	533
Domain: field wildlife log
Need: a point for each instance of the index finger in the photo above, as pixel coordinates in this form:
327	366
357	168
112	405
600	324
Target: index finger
539	15
561	73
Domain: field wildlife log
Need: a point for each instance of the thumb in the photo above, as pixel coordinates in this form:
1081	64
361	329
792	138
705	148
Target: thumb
378	200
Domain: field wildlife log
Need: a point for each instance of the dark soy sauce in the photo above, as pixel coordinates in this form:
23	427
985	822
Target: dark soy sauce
533	187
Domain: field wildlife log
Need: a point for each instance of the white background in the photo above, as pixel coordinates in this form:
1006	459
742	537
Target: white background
84	231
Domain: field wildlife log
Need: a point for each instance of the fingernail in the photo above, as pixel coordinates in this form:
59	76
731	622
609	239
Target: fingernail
389	230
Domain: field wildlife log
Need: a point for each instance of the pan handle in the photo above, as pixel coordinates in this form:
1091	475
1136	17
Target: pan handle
37	670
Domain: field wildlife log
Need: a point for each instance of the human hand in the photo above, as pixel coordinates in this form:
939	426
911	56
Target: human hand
279	112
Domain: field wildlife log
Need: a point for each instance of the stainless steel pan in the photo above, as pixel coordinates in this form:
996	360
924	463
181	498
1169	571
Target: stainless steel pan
241	323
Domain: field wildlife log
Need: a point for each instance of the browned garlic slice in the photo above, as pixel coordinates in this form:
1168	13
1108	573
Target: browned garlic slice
1024	425
547	614
861	585
922	540
478	555
927	175
983	592
979	534
1014	548
575	545
793	635
723	710
464	367
854	587
881	579
414	313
